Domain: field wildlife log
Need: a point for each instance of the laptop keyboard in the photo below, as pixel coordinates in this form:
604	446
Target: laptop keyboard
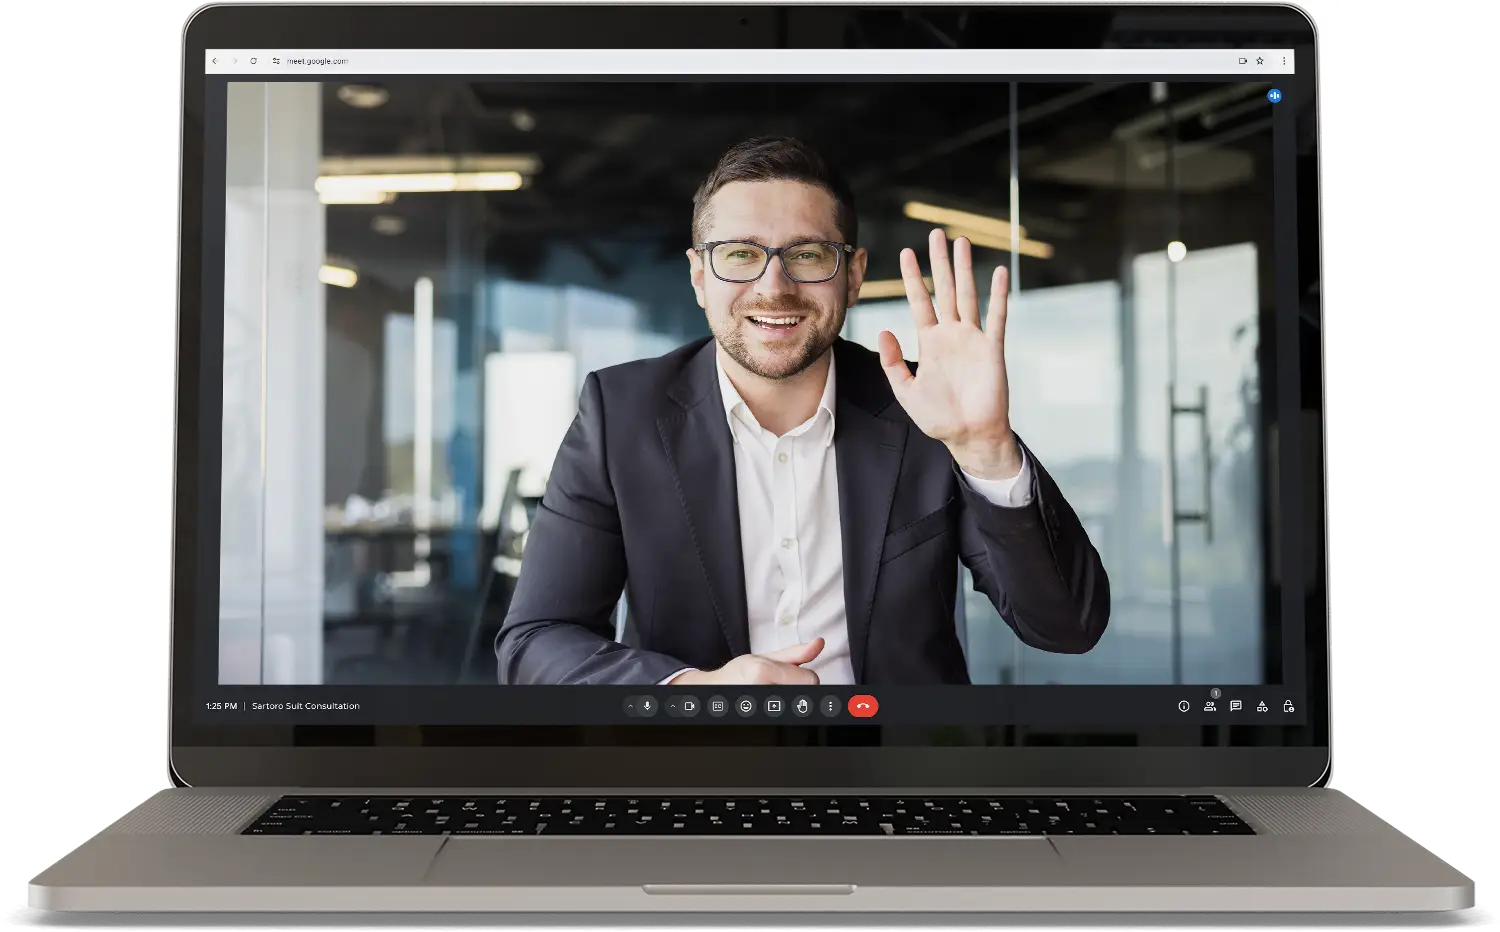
771	815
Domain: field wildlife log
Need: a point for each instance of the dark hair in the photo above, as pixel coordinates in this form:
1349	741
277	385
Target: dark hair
776	158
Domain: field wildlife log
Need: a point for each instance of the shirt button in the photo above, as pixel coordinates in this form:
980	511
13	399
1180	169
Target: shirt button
786	619
786	543
781	457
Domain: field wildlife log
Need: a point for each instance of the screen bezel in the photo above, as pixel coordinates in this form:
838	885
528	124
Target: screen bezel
399	756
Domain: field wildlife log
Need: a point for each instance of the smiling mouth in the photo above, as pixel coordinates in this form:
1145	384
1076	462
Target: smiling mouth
775	323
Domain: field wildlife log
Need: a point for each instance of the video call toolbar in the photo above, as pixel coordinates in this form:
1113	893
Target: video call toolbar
862	705
764	705
866	706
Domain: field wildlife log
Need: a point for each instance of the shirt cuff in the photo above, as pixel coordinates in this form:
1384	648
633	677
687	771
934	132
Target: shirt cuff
1014	492
668	680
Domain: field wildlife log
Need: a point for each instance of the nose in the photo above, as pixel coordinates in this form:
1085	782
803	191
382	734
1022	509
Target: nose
774	282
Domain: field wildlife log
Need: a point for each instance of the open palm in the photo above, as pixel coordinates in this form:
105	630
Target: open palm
959	394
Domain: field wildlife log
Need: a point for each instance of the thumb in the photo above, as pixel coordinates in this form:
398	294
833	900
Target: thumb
890	360
797	653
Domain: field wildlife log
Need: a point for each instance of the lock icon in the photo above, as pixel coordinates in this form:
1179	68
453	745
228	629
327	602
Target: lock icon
1287	706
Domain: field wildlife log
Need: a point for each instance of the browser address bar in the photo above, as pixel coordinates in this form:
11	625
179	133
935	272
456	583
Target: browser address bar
808	62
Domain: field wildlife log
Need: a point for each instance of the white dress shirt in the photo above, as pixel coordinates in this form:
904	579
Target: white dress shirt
790	532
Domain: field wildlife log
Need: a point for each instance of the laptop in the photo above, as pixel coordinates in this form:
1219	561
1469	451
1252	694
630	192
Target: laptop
764	458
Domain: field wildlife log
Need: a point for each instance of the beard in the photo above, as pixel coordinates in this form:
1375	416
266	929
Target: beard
738	336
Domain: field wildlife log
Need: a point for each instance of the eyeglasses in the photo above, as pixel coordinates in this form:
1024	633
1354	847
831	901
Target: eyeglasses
739	262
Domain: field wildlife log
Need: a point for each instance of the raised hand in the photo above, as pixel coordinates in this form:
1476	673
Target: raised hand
959	395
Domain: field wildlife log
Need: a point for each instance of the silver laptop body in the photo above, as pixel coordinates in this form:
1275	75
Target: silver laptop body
188	848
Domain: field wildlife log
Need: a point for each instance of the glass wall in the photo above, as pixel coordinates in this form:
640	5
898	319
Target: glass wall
1138	262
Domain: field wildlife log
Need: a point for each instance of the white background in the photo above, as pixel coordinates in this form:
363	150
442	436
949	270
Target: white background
87	243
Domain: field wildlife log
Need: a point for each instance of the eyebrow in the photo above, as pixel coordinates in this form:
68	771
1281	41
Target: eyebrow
794	238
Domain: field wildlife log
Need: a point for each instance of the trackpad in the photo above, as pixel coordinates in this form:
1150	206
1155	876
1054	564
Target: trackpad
671	866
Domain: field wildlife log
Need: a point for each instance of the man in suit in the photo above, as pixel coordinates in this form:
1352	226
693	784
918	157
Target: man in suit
780	505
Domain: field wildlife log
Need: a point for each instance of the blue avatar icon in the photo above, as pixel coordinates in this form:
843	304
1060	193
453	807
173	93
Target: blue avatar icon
1273	95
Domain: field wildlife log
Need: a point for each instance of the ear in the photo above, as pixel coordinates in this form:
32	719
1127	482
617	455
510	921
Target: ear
695	276
857	264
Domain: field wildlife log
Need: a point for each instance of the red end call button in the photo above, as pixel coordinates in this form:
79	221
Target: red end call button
863	706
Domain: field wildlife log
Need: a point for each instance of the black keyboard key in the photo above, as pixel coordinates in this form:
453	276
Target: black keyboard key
752	815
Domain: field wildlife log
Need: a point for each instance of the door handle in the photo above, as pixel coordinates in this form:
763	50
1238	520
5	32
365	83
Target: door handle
1205	515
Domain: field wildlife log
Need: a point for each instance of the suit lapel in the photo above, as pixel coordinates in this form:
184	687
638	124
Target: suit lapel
868	449
700	454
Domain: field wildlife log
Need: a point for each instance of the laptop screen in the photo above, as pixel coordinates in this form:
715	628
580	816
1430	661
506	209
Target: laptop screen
816	388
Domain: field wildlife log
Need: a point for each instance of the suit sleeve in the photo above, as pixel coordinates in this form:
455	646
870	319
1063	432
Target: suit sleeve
557	630
1036	564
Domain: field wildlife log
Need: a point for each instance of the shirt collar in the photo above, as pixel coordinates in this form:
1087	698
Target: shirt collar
733	402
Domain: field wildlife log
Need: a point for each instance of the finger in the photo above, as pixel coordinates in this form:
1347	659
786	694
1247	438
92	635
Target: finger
994	323
964	294
814	647
942	277
797	653
917	297
892	361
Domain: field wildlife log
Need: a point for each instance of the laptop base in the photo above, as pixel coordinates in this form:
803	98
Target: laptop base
1314	850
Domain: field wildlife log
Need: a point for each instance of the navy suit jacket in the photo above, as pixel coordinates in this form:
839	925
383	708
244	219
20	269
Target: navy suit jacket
642	499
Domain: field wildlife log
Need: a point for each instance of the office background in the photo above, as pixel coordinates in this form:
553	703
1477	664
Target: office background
400	364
